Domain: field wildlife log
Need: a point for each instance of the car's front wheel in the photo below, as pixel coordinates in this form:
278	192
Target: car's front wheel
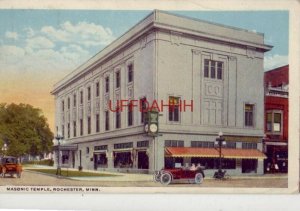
165	178
199	178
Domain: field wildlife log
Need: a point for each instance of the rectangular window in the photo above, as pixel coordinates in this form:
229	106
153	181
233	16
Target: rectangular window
81	97
68	130
123	145
81	127
118	119
89	125
142	144
69	102
269	122
100	147
97	122
249	114
277	122
63	106
130	73
74	129
74	100
97	89
118	79
219	70
213	69
202	144
106	120
130	115
89	93
206	68
174	111
248	145
63	130
230	145
274	121
174	143
143	104
107	84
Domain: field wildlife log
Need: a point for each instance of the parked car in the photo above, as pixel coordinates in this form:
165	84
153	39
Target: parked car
10	165
166	176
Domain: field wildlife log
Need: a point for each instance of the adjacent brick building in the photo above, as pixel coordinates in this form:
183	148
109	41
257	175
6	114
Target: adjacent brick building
276	119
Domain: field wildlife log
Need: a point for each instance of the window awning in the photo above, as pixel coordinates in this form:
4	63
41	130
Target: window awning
191	152
214	153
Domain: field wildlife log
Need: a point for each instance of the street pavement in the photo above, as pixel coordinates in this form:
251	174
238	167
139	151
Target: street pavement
31	178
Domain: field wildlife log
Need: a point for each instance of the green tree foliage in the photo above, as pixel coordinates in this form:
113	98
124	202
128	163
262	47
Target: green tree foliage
25	130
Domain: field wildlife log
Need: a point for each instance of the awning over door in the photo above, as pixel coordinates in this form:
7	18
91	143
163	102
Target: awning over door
214	153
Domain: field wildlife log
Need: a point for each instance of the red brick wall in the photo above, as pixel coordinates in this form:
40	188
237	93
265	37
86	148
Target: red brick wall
277	76
278	103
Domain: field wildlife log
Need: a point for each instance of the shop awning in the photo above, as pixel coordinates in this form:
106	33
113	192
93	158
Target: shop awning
191	152
243	138
214	153
243	153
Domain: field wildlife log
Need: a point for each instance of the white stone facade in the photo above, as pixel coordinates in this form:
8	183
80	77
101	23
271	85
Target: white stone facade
168	54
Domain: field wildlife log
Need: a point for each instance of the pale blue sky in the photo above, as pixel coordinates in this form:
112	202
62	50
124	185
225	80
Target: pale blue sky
39	47
16	25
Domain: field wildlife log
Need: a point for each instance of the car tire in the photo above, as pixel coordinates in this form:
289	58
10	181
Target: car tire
165	178
19	175
199	178
156	176
3	171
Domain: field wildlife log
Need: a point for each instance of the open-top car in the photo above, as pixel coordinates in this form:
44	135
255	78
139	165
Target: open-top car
166	176
10	165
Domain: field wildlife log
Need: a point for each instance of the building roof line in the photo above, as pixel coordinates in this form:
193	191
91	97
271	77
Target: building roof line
133	33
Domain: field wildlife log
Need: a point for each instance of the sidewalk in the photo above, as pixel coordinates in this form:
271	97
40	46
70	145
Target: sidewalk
132	177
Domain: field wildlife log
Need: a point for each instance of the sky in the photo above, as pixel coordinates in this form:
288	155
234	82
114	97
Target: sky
40	47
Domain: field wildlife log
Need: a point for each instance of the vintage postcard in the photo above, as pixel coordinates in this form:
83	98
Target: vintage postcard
109	98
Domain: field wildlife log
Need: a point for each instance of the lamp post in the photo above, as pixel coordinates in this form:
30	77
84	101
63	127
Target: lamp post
58	138
220	141
4	148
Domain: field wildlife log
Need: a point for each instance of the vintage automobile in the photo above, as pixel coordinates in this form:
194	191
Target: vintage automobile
10	165
166	176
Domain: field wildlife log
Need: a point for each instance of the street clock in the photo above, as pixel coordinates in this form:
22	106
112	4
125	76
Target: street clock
153	128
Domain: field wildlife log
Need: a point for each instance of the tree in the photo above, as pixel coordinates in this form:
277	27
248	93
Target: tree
25	130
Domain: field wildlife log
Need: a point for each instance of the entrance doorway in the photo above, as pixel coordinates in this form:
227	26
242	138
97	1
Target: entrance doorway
143	160
73	159
249	166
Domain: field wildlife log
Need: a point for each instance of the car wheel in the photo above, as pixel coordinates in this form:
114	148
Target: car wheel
156	176
165	178
3	172
19	175
199	178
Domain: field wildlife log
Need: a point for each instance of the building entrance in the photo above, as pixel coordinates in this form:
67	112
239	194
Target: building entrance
143	160
100	160
249	166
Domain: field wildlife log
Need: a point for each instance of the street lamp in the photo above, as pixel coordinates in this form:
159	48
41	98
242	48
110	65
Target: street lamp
220	141
4	148
58	138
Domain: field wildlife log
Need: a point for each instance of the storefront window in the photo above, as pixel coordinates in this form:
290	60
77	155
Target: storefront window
122	160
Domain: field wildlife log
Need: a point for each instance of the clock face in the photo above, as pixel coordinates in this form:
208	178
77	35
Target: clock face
146	128
153	128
